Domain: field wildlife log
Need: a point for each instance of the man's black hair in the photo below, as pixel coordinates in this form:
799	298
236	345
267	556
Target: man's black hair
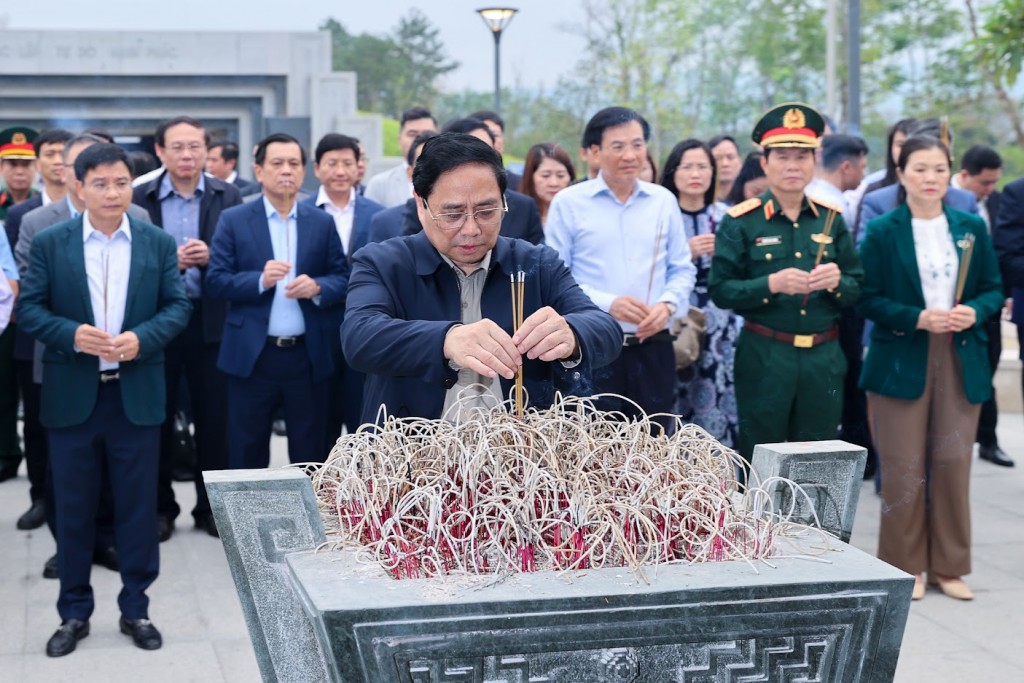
261	147
160	134
609	118
415	113
719	139
980	158
50	136
466	126
81	139
449	151
335	141
228	149
410	157
488	115
837	148
100	154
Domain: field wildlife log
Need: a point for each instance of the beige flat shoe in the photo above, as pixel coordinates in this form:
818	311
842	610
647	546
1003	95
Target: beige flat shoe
954	587
918	588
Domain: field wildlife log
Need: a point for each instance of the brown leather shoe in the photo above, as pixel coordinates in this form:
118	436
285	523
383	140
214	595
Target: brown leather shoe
954	587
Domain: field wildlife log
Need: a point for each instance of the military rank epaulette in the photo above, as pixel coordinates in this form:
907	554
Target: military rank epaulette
825	205
744	207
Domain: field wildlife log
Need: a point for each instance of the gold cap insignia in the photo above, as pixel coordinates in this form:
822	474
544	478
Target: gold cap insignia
794	118
19	139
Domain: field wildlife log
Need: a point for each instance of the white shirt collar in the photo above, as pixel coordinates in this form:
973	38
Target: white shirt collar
88	228
323	200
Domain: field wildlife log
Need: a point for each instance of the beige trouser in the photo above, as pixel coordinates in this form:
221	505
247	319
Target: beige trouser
924	449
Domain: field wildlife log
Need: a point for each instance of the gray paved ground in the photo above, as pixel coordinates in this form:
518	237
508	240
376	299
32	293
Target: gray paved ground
194	603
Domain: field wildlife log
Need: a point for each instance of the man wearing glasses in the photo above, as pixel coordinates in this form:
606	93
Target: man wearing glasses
623	240
187	203
429	316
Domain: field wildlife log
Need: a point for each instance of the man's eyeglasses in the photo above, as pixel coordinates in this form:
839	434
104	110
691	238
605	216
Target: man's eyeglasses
483	217
179	148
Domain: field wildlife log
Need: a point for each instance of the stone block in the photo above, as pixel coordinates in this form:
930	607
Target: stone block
263	515
804	620
830	472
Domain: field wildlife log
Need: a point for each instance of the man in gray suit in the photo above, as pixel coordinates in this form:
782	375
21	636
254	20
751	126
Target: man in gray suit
37	457
393	188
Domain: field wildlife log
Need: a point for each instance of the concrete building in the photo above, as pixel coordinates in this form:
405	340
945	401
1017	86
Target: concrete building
242	85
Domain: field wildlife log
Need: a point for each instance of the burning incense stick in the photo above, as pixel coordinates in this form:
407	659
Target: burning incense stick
966	251
517	282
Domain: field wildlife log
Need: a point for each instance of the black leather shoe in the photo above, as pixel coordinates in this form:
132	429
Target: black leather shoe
206	523
34	518
50	570
143	633
164	527
8	472
106	557
995	455
65	639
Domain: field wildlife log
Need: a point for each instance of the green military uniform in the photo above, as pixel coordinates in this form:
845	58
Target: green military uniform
16	144
789	368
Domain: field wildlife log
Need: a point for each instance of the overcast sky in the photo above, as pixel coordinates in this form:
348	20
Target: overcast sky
535	50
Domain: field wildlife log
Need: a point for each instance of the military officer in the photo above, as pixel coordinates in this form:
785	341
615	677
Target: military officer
787	264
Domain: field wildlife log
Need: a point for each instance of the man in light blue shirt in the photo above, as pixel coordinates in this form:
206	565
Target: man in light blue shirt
623	240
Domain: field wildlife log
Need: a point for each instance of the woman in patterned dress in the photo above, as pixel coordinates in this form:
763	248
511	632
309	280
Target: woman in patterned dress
705	395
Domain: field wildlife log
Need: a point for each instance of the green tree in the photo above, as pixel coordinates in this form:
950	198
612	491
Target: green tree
997	46
394	71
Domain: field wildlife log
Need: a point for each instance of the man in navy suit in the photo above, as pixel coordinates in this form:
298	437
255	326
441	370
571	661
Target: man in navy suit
222	163
103	293
429	316
402	219
281	267
337	169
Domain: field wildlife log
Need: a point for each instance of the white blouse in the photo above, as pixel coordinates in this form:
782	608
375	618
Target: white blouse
937	260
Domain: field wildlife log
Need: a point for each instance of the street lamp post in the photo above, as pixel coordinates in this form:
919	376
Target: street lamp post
497	18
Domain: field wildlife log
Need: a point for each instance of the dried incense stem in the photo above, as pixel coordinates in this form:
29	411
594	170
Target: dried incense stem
518	284
654	260
568	487
966	251
825	233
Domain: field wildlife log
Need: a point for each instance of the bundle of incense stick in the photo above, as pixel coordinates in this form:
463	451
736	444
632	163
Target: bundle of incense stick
829	220
518	284
966	250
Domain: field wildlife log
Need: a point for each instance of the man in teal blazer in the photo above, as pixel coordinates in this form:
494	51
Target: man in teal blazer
105	297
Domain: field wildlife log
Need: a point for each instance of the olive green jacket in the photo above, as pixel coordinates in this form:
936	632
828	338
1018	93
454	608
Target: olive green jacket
896	363
756	239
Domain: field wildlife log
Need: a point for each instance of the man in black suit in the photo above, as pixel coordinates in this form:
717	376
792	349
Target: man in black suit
222	163
980	169
187	204
496	125
1008	239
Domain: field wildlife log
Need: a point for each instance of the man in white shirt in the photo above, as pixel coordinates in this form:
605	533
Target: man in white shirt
841	168
337	169
392	187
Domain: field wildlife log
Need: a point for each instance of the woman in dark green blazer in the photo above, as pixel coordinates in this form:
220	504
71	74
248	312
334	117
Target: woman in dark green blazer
926	370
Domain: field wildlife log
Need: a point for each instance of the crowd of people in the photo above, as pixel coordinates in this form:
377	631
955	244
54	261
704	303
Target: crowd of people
831	304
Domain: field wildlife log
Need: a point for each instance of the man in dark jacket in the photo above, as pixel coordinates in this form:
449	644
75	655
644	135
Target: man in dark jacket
187	204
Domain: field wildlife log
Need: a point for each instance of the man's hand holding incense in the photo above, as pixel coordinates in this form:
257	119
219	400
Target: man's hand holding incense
483	347
824	276
545	335
655	321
